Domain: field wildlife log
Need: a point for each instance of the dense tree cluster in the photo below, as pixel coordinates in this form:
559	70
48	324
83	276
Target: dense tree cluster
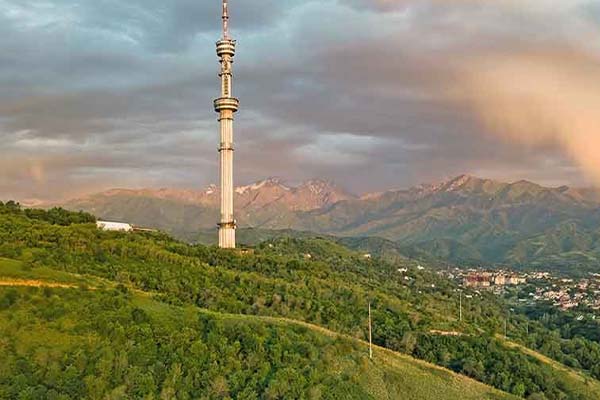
570	337
99	345
55	216
487	360
312	280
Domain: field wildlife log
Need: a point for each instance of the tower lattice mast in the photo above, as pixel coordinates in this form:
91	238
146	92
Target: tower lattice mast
226	106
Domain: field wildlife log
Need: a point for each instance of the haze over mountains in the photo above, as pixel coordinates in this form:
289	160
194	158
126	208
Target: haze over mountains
464	219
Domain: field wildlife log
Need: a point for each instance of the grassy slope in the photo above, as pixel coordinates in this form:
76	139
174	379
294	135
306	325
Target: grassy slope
156	266
389	376
11	269
576	382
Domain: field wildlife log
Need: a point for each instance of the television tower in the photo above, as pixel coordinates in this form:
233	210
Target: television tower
226	106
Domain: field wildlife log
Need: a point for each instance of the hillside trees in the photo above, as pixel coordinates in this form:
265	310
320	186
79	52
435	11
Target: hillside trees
330	288
115	349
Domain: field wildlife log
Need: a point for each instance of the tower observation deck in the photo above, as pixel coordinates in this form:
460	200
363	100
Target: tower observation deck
226	106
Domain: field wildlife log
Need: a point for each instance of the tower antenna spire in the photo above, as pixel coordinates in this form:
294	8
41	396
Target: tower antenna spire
225	20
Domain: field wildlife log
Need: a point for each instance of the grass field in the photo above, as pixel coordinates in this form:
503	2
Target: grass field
17	270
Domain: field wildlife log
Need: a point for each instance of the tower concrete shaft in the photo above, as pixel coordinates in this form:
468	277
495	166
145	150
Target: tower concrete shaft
226	106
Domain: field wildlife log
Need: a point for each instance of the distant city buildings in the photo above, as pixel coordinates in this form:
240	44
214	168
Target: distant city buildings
560	292
484	279
569	293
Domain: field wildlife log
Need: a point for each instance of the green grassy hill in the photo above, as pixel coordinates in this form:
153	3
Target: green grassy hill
314	285
579	385
110	342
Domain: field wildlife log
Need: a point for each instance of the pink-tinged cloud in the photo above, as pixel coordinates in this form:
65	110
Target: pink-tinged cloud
542	99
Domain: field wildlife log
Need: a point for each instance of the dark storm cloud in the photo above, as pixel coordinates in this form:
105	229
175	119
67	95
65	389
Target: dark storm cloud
102	93
172	26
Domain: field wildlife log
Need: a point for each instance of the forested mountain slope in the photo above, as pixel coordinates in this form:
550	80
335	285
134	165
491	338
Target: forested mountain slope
310	280
465	219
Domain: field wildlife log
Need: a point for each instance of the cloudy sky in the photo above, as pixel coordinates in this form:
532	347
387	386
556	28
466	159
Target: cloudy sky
373	94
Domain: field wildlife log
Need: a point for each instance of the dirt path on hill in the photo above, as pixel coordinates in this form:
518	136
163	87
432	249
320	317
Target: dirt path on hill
34	283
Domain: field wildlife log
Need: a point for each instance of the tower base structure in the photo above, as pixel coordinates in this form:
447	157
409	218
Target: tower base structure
227	235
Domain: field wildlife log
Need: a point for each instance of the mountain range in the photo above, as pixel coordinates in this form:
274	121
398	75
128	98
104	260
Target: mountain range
465	219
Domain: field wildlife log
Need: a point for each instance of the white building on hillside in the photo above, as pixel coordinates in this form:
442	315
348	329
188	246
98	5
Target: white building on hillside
114	226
